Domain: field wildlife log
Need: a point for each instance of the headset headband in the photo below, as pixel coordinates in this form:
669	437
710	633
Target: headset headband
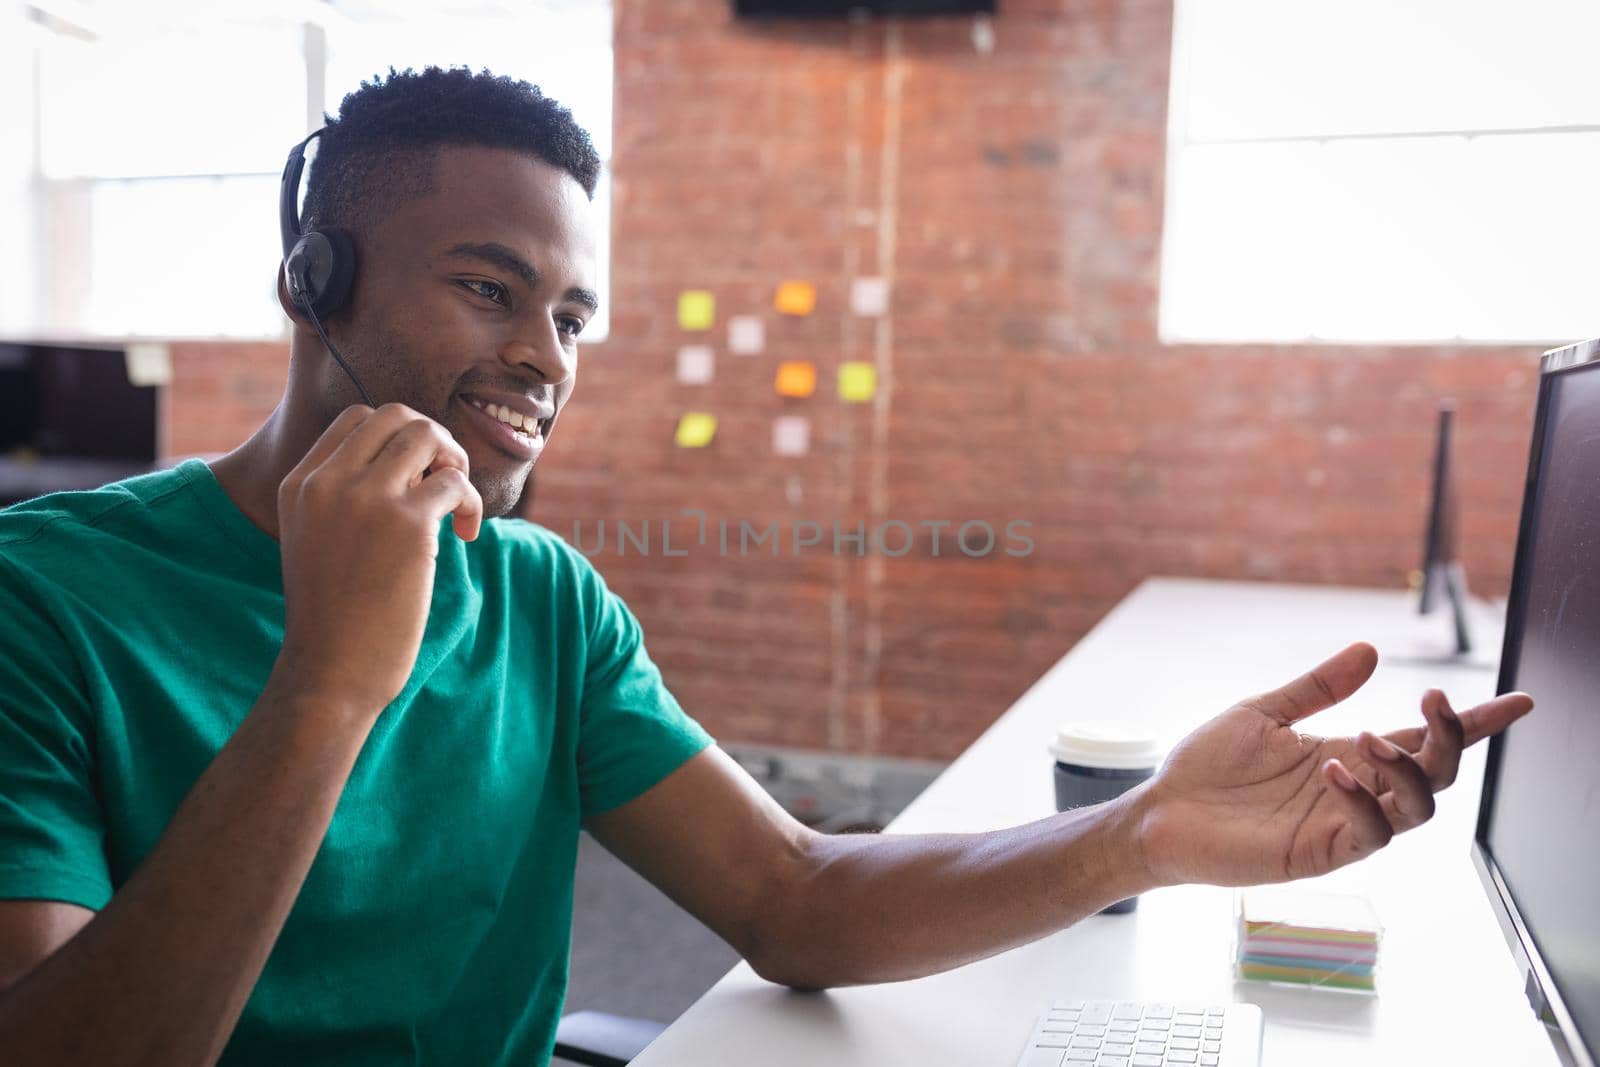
289	195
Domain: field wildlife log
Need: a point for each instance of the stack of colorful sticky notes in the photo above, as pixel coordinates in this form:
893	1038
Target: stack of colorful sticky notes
1308	938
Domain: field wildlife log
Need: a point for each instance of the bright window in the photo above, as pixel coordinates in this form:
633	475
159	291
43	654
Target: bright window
1382	171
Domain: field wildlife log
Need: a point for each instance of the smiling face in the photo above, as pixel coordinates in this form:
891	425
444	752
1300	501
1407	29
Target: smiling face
468	300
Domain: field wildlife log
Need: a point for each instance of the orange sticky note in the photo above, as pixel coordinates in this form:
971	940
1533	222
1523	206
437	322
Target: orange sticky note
697	309
796	298
796	378
696	429
858	381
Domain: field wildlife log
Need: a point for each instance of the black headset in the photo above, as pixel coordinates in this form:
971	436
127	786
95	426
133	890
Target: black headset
319	267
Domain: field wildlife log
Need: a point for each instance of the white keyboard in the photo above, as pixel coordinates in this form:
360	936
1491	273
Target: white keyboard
1132	1033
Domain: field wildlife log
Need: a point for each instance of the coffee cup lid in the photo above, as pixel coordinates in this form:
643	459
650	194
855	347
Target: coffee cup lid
1106	743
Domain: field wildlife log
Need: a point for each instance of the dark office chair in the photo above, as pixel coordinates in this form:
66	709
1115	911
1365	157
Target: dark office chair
596	1039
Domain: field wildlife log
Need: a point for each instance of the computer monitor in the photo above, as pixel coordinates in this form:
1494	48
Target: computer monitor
1441	545
71	418
1537	845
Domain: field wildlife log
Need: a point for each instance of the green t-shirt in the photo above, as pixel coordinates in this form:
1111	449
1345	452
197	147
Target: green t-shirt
138	625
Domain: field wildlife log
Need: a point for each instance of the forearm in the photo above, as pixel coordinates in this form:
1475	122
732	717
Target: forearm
161	975
892	907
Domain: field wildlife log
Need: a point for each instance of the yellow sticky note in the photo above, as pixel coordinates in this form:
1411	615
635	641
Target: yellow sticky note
696	429
796	378
697	309
796	298
857	381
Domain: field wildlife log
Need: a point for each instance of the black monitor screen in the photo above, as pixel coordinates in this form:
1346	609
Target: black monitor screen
1542	824
74	402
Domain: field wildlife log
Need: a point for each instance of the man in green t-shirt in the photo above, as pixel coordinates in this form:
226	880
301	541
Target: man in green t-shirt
295	746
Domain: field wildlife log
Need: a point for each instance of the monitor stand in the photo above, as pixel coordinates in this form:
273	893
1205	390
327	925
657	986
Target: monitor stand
1425	645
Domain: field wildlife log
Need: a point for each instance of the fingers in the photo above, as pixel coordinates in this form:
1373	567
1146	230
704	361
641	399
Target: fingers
363	444
413	448
1438	746
334	436
1403	786
1368	829
398	447
1443	740
1488	719
1321	687
416	447
448	490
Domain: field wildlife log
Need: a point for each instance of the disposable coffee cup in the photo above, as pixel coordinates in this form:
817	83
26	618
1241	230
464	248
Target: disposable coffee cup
1098	760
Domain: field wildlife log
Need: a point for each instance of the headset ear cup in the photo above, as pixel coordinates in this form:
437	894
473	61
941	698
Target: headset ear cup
341	272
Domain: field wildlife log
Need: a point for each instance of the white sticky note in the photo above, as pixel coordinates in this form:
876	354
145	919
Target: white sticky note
869	296
791	435
148	363
694	364
747	335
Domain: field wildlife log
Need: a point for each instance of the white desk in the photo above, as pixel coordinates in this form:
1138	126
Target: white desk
1174	653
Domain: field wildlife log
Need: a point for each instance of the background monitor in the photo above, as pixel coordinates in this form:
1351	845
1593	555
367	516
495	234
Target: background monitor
70	418
1537	845
1441	547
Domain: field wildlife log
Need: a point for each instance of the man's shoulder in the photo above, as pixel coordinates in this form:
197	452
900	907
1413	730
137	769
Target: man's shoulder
82	535
77	511
530	547
525	536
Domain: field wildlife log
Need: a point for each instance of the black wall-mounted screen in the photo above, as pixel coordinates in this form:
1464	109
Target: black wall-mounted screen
822	9
72	401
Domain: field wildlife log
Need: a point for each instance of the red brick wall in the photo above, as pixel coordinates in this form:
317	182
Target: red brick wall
1015	199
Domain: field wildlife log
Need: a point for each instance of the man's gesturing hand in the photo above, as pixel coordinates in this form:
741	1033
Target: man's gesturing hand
1245	799
358	522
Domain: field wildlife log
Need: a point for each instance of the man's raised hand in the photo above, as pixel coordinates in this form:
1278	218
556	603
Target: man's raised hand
1246	799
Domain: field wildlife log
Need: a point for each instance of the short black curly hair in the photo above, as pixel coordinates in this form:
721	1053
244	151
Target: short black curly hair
381	149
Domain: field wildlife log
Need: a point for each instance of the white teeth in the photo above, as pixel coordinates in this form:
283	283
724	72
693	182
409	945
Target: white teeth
524	426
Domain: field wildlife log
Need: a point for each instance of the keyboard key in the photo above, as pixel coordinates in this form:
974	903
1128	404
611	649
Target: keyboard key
1149	1048
1211	1046
1043	1057
1051	1041
1122	1026
1158	1011
1192	1044
1146	1061
1091	1031
1097	1011
1082	1041
1208	1059
1213	1033
1127	1010
1111	1061
1067	1005
1180	1056
1075	1055
1156	1024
